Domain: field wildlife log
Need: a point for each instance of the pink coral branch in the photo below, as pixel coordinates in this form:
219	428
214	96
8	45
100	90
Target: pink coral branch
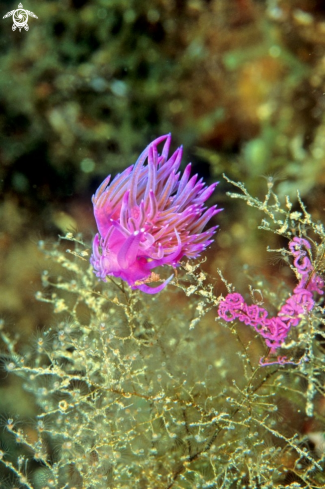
275	329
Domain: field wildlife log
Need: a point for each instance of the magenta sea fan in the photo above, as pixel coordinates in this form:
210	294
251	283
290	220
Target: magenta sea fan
150	215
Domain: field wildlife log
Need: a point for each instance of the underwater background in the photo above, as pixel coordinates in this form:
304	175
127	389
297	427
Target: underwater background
239	83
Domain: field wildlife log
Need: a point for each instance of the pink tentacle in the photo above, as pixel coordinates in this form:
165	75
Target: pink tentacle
154	290
128	252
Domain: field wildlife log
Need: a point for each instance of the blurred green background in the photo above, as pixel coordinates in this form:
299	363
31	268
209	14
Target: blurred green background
240	83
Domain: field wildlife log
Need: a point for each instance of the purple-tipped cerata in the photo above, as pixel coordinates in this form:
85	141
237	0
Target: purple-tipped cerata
150	215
